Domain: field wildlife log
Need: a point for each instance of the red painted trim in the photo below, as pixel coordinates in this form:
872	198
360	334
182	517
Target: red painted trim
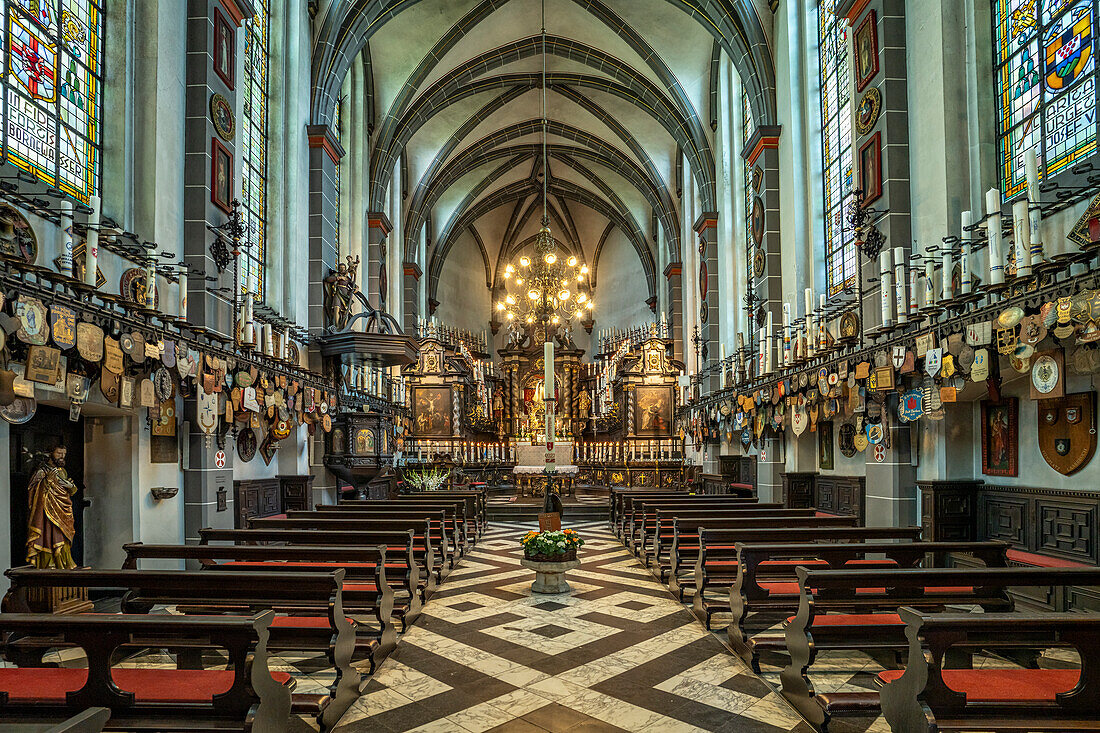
322	141
673	270
236	14
856	10
411	268
761	145
378	220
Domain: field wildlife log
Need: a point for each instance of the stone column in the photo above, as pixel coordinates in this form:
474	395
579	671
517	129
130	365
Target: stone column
891	495
378	229
410	289
207	488
674	275
710	313
761	155
324	154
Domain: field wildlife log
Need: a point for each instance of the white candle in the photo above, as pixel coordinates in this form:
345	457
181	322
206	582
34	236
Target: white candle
786	334
993	227
769	361
65	239
722	366
929	277
966	278
914	287
761	349
822	339
945	271
886	286
91	243
1035	214
900	298
809	322
182	295
1021	237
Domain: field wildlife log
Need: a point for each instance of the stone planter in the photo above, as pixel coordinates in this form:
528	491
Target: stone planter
571	555
550	576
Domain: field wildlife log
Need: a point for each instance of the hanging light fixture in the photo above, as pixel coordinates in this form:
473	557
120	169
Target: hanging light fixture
545	289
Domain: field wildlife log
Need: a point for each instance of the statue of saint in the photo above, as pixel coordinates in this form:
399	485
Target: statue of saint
50	529
340	288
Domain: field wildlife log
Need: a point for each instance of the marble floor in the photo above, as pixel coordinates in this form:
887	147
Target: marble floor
618	654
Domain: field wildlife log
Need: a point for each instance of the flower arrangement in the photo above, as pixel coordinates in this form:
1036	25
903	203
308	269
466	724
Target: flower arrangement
551	546
432	480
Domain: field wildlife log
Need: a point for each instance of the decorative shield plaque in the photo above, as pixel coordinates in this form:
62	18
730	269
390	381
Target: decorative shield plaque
63	326
1067	431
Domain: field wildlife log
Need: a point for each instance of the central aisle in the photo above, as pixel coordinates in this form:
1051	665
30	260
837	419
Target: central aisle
618	654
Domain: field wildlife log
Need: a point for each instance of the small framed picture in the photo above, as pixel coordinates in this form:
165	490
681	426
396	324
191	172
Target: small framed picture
225	46
870	168
221	176
1000	437
866	50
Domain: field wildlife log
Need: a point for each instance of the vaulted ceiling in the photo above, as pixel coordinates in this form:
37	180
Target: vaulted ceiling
456	90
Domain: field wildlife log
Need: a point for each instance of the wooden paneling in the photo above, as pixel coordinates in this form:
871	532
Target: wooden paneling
798	490
256	498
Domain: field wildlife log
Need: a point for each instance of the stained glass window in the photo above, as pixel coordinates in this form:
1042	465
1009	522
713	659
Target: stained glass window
254	146
1045	67
746	133
836	147
53	94
336	127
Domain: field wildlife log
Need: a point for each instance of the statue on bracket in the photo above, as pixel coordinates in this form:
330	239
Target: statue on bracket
340	290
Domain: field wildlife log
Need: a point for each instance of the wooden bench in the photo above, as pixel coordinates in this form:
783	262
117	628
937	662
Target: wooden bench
629	522
459	527
856	609
432	533
622	504
366	587
452	524
416	562
927	697
656	527
308	606
248	696
91	720
767	578
721	559
477	501
475	516
639	520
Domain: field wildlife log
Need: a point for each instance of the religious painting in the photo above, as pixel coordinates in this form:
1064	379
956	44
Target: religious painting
866	47
1000	437
870	168
432	411
364	442
225	44
221	176
653	411
825	446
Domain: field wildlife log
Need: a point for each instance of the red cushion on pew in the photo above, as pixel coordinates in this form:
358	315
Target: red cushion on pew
781	588
950	589
1043	561
47	684
1004	685
855	619
298	564
364	587
303	622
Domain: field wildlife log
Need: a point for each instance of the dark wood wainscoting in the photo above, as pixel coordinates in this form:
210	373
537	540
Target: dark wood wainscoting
266	497
835	494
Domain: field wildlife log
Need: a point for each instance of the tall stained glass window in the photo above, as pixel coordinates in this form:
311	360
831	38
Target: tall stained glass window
746	133
254	146
836	147
53	94
336	128
1045	66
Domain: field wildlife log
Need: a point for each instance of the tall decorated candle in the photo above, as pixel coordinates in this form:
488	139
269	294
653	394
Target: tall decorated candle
65	239
993	227
1035	214
91	245
966	278
886	286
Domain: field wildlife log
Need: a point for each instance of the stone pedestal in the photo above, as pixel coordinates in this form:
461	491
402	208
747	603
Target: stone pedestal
550	576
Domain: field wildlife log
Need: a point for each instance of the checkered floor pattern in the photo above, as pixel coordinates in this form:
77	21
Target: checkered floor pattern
619	653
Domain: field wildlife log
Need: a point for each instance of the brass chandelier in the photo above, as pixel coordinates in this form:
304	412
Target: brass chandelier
545	289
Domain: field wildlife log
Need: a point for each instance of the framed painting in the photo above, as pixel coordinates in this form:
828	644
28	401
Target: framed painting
825	446
866	50
870	168
221	176
653	411
432	412
1000	437
225	49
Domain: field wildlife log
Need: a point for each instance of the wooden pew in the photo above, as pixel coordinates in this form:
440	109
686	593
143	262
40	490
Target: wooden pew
366	585
475	512
640	513
91	720
721	560
656	526
247	697
927	697
621	503
857	609
401	560
453	524
478	501
434	534
767	579
628	523
309	607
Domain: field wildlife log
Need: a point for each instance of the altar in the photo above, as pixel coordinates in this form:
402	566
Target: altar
531	465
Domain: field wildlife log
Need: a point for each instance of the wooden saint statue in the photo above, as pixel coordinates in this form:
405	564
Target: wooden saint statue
50	529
